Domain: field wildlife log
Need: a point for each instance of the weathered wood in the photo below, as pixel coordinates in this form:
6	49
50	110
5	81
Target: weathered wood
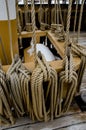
66	122
78	126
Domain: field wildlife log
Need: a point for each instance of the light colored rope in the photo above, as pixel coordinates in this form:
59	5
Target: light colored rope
55	10
67	40
80	19
33	28
43	73
5	97
75	19
9	28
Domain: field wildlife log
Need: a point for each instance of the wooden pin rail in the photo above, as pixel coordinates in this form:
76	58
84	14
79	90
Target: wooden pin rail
39	34
57	65
59	46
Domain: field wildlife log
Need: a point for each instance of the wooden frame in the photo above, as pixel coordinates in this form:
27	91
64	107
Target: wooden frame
59	46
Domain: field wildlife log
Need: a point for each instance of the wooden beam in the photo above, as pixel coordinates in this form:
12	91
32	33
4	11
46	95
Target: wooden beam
39	33
59	46
57	65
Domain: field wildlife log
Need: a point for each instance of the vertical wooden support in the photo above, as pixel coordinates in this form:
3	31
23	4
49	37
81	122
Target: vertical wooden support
38	39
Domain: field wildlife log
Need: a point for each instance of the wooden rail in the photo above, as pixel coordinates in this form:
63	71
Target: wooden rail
57	65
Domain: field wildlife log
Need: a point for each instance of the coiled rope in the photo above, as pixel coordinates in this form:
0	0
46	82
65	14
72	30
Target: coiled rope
6	115
67	78
79	50
19	78
41	74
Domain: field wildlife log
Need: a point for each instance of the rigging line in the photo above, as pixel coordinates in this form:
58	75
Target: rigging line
33	28
9	27
80	19
75	16
55	11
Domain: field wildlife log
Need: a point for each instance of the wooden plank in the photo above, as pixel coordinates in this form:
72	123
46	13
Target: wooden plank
68	122
57	64
39	33
59	46
78	126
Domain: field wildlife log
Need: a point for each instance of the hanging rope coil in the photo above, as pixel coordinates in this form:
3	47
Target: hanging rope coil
79	49
67	78
6	116
41	95
19	78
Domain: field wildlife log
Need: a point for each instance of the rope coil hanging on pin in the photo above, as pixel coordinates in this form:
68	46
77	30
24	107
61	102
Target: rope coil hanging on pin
42	74
79	49
67	78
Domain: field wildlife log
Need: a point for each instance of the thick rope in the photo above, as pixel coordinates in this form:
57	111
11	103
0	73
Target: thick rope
80	19
66	62
55	11
5	98
33	28
43	73
75	19
19	80
67	78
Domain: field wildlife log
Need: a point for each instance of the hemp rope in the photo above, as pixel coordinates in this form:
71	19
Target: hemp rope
33	28
5	98
68	77
75	19
19	25
80	50
80	19
42	17
19	78
40	75
27	17
58	28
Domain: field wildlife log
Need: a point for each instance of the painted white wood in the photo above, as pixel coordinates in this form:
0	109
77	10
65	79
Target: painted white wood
12	9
